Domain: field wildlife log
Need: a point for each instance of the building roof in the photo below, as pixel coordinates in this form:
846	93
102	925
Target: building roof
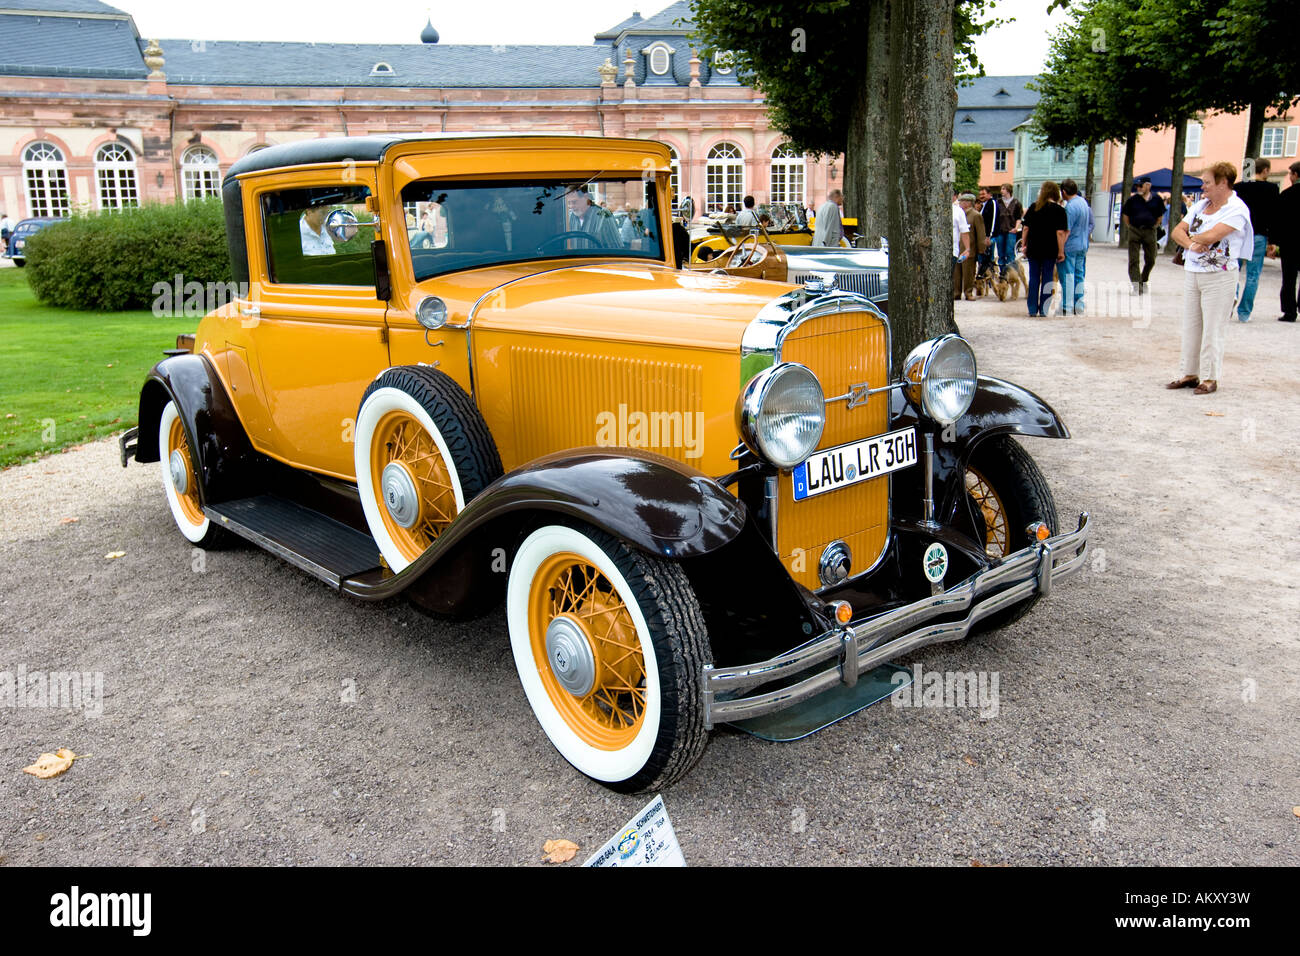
663	22
60	6
989	109
93	46
246	63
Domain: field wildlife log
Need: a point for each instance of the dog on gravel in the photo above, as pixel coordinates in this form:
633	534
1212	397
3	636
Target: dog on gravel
1008	285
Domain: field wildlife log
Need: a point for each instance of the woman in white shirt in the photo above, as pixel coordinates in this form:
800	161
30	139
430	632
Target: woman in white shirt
1214	235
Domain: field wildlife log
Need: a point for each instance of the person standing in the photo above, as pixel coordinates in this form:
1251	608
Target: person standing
960	245
829	227
1286	239
988	210
1043	238
978	243
6	227
1261	198
1215	233
1006	239
1078	217
1142	213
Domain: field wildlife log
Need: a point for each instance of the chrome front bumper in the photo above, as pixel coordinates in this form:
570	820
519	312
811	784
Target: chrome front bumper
865	643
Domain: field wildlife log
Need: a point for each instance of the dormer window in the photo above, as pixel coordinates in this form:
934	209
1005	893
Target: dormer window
1002	92
723	62
381	69
659	58
968	119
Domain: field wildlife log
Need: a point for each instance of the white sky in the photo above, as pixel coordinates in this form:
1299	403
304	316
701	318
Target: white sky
1016	48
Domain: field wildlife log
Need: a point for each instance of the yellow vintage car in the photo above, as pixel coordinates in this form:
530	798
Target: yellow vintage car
463	370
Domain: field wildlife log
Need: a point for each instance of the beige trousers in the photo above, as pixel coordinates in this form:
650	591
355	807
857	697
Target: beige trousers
1209	298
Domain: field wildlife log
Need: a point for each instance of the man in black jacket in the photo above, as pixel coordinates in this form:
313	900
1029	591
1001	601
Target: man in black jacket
1261	198
1142	214
1285	236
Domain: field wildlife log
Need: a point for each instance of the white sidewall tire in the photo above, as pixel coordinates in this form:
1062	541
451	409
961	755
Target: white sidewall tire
376	406
610	766
193	532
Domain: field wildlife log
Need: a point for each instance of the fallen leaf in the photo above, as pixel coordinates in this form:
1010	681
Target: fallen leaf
1296	811
114	555
559	851
69	521
1215	414
9	415
970	760
52	765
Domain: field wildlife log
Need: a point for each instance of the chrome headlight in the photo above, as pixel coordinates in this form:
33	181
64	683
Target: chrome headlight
941	378
781	413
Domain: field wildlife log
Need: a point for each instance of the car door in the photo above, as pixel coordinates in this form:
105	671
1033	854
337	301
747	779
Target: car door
317	328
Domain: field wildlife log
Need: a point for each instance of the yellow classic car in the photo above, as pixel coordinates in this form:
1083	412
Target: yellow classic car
463	370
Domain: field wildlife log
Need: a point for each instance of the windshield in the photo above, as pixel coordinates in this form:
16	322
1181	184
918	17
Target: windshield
454	226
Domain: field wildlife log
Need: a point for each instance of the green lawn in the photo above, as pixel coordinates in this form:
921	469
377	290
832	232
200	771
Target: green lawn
67	377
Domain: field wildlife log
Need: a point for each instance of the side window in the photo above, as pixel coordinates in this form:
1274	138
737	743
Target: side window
319	235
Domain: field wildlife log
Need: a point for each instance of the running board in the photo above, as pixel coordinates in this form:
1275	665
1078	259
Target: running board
316	543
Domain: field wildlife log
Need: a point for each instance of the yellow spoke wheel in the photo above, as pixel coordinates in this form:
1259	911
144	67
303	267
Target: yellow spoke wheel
587	651
997	538
412	482
181	465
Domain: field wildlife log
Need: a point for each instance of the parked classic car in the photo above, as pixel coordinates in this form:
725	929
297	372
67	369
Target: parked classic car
757	254
26	228
701	497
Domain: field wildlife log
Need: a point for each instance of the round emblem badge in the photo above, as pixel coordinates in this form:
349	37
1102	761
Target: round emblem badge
935	562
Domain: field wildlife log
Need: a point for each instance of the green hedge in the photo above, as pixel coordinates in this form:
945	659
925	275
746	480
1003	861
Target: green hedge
966	158
110	261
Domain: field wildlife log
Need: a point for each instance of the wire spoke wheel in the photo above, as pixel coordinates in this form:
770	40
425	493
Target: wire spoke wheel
599	684
997	538
178	451
401	440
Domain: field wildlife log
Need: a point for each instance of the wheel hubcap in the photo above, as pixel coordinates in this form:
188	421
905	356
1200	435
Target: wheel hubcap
400	497
572	659
180	474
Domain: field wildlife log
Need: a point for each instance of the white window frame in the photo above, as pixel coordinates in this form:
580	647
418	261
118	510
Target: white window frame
724	61
789	175
200	173
1291	138
1192	142
675	178
115	177
724	177
999	160
652	52
382	69
1273	146
45	176
1060	155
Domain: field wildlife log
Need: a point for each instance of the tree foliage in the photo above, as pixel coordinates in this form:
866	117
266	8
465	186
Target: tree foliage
807	58
966	159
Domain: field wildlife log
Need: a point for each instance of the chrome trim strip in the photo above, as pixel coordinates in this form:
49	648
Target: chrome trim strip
895	633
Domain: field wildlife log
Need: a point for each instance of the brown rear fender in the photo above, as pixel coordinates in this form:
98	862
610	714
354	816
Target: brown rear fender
227	465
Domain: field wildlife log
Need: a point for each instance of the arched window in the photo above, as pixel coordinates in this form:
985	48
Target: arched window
115	177
256	148
725	177
787	175
46	178
675	179
660	58
200	173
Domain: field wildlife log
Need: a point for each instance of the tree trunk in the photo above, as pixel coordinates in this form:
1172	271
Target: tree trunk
1176	181
1255	128
866	187
1130	148
1090	177
922	103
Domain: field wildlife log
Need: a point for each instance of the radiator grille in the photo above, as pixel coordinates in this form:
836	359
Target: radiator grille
573	399
870	284
844	349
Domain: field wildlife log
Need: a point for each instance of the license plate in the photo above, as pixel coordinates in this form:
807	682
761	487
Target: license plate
857	461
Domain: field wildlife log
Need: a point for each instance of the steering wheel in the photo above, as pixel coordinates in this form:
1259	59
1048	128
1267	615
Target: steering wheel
565	236
740	258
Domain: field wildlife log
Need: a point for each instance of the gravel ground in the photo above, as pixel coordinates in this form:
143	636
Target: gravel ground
1147	712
